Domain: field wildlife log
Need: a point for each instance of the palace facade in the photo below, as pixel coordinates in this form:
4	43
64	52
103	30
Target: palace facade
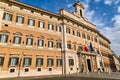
35	42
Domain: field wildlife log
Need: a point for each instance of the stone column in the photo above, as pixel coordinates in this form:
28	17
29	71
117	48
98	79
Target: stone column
86	66
96	63
91	62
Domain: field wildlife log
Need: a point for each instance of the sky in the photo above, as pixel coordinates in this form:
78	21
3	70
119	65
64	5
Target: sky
105	14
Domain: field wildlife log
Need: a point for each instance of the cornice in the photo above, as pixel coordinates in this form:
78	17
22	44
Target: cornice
101	35
35	8
80	23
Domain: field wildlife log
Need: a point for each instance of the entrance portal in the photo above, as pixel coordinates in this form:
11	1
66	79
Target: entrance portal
89	65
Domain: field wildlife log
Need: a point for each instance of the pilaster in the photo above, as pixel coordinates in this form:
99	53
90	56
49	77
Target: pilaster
1	15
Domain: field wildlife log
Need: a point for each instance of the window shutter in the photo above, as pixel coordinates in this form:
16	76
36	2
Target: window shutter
17	59
48	43
4	16
23	20
31	41
11	17
26	41
0	37
28	21
60	61
52	43
43	25
6	38
60	29
51	61
30	61
38	43
20	40
52	27
41	61
17	19
42	42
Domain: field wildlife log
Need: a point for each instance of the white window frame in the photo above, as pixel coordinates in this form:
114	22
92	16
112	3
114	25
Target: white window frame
20	19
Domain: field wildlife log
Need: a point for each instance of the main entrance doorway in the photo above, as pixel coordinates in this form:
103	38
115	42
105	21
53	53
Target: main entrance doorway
89	65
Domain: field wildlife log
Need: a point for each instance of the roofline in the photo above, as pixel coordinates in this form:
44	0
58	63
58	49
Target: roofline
104	37
34	7
114	54
78	22
75	15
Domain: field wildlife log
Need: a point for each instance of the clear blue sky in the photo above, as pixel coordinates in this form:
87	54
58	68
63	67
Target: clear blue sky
105	14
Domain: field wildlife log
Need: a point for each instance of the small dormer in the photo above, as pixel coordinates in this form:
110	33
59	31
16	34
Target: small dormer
79	9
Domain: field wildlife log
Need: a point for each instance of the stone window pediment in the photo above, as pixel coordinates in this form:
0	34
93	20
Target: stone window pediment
30	35
18	33
4	32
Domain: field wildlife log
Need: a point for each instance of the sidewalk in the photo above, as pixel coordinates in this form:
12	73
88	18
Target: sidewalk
81	76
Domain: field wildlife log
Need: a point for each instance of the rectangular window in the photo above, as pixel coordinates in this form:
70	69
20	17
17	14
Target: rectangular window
68	30
13	61
29	41
50	44
50	27
31	22
27	62
7	16
3	38
1	61
20	19
59	62
73	32
58	29
78	34
88	37
39	61
69	45
50	62
74	46
40	43
83	36
95	39
71	62
58	44
17	40
41	24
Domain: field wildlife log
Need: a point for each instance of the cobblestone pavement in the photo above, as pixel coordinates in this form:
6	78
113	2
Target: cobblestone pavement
83	76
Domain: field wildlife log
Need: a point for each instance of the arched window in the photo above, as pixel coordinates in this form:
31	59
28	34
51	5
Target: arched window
81	13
